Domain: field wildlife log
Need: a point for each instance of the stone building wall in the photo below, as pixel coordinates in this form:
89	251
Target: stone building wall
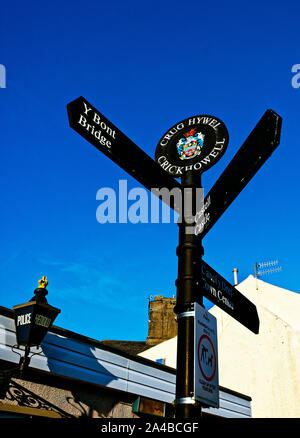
162	320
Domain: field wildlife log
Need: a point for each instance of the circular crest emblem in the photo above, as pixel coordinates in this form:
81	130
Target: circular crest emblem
196	143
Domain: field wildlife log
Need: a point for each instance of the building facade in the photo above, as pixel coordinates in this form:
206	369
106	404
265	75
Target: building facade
74	376
264	366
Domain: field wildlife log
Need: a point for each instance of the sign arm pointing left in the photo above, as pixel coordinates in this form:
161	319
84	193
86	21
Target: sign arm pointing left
107	138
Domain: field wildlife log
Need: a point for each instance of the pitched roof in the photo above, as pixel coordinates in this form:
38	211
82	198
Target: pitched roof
130	347
281	302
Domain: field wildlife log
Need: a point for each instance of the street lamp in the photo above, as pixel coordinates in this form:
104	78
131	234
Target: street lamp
33	320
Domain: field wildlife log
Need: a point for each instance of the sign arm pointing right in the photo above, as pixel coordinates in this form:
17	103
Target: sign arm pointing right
256	149
221	293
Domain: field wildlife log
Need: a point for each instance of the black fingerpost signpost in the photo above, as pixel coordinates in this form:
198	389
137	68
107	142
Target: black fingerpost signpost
193	146
185	151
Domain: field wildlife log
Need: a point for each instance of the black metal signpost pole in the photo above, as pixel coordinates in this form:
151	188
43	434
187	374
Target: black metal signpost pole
187	252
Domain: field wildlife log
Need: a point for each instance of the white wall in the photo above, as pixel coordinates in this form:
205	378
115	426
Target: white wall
266	366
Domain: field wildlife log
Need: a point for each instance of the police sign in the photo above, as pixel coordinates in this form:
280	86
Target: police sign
33	320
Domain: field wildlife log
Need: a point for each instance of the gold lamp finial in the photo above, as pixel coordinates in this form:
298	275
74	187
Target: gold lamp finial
43	282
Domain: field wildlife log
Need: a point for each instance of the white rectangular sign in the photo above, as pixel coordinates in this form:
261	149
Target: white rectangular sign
206	379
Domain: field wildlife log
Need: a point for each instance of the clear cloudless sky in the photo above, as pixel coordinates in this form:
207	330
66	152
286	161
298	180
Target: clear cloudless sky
145	66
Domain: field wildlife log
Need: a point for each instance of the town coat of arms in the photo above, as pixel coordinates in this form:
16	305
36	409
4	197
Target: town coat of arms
190	145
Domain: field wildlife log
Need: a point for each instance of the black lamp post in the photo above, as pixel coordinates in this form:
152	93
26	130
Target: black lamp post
33	320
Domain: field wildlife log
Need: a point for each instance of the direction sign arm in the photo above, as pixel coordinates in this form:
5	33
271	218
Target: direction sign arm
88	121
221	293
256	149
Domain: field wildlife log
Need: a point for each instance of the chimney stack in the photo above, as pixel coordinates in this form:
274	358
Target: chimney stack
162	320
235	276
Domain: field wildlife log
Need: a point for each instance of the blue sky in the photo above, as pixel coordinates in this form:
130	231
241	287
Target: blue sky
145	66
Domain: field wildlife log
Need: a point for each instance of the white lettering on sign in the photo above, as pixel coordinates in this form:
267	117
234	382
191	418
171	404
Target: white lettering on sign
97	127
170	134
225	300
178	170
93	130
202	218
205	120
217	293
42	321
24	319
